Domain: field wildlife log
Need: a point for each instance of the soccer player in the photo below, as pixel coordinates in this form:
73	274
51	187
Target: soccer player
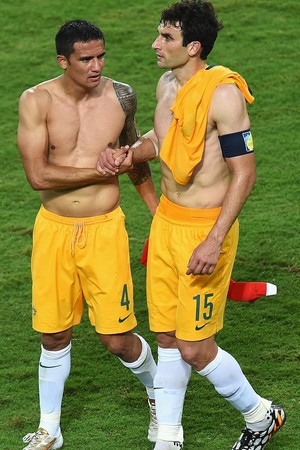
80	244
203	136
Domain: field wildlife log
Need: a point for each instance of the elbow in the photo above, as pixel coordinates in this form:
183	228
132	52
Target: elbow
245	183
36	183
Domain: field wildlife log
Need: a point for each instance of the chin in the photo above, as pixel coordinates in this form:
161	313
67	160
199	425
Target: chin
161	65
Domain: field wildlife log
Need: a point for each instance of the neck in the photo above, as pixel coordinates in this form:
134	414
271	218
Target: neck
76	91
183	74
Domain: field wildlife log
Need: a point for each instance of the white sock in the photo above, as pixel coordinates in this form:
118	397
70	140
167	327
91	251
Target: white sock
54	368
170	384
225	374
144	367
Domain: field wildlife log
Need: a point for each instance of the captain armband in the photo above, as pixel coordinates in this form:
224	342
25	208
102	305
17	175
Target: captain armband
236	144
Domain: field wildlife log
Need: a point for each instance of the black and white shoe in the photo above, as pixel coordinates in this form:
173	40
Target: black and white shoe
257	440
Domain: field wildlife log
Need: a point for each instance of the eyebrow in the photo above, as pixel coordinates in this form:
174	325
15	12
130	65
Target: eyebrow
166	35
91	57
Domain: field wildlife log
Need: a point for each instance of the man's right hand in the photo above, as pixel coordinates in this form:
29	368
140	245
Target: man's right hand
115	161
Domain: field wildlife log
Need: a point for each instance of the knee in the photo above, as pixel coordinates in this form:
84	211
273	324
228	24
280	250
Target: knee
166	340
198	356
113	344
126	346
189	355
56	341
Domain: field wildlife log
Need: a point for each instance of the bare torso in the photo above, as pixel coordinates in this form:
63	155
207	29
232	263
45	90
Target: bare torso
77	133
211	177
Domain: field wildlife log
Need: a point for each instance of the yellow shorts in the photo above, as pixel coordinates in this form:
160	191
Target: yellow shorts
191	305
77	259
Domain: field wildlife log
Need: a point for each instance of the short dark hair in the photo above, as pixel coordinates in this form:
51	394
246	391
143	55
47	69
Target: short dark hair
197	20
76	31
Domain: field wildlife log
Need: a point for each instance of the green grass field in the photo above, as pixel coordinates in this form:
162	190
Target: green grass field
104	406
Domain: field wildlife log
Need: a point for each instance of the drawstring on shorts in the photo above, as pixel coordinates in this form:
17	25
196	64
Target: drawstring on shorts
79	237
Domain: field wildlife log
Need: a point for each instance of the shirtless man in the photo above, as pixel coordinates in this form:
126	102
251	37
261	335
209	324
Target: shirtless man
203	132
80	244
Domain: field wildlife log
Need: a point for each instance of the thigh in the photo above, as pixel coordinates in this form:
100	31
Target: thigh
162	278
202	298
57	301
105	274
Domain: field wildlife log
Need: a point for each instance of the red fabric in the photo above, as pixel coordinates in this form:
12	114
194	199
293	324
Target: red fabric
239	291
145	253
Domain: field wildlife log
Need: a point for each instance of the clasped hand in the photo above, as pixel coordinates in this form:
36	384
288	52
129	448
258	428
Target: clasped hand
115	160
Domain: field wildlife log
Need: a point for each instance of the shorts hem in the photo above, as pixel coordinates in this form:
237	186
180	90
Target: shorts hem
193	338
115	330
52	330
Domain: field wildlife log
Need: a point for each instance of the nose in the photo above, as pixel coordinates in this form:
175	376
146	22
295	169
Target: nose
97	64
155	44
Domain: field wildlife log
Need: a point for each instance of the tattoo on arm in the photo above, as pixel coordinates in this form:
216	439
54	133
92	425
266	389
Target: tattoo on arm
127	100
141	172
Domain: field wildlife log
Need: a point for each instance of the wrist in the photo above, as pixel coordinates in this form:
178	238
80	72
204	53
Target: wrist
154	145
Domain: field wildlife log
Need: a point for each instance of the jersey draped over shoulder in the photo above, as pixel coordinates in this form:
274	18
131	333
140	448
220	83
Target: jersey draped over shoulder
183	146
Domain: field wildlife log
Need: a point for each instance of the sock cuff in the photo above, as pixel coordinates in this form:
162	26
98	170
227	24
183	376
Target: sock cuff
143	356
56	354
213	364
170	433
50	417
168	354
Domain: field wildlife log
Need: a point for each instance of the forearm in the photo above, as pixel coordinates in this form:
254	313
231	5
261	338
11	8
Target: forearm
205	256
140	176
50	176
139	173
146	148
147	192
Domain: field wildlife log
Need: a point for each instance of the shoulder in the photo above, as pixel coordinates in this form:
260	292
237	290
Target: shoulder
165	83
166	79
124	88
228	109
39	95
227	94
126	96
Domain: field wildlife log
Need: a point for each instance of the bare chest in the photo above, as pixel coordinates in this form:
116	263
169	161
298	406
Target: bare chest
78	133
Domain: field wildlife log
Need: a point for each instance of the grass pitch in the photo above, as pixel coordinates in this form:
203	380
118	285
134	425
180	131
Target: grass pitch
104	405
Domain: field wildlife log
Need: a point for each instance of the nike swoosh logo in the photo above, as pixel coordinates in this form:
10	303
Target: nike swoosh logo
197	328
49	367
122	319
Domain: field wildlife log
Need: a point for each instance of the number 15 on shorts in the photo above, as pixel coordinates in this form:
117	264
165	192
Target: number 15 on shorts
203	309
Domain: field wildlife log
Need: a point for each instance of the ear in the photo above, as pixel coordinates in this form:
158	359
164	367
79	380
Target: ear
194	48
62	61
